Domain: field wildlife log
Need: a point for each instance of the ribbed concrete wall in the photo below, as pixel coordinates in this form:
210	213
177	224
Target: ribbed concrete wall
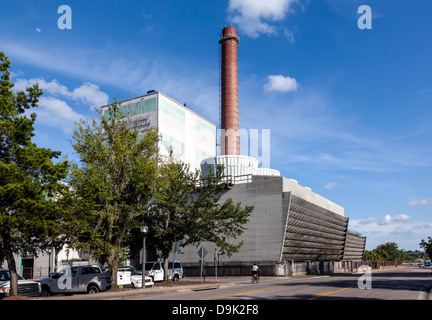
284	226
354	247
313	233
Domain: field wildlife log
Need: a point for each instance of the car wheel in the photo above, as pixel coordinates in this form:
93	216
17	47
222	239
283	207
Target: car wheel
92	289
176	277
46	292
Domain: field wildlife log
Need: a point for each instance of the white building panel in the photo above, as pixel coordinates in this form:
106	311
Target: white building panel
191	137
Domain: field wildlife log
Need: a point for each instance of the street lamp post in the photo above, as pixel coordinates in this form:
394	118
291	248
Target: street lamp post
144	231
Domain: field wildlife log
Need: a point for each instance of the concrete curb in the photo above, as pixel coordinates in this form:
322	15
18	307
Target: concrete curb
128	294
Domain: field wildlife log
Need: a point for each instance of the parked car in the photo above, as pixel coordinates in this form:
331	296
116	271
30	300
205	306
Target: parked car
26	288
155	270
135	278
90	279
129	268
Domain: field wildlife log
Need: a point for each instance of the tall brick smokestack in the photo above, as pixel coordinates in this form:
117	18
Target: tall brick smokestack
229	91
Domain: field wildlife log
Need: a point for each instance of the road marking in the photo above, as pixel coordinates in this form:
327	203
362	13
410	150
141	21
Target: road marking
241	293
327	293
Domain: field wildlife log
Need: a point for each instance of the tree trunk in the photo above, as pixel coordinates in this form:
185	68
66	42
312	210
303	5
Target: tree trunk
166	268
113	267
56	253
165	255
10	261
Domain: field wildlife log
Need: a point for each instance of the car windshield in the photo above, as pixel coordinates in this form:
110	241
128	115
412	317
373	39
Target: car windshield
128	270
176	265
5	276
149	265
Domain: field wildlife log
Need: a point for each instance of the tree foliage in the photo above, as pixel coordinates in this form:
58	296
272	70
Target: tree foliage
111	184
385	252
29	178
186	208
427	246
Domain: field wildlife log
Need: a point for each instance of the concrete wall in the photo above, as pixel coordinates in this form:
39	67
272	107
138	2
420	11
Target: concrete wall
289	223
313	232
284	268
38	267
191	137
354	247
264	234
141	112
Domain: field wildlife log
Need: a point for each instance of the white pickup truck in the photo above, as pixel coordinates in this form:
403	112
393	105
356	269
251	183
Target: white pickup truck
90	279
127	277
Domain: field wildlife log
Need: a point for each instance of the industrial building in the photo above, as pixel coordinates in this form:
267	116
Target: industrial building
190	136
292	230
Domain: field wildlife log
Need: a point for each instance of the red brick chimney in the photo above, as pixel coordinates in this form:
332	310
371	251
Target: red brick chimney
229	91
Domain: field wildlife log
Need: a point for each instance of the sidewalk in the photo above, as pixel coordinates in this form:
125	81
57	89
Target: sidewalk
195	285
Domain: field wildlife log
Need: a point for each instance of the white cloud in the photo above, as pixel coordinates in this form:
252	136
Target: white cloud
289	35
331	185
421	202
137	73
255	17
399	228
427	225
52	87
279	83
387	220
38	30
88	93
58	113
402	232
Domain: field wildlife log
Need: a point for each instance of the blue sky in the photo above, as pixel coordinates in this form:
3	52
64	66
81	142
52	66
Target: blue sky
349	110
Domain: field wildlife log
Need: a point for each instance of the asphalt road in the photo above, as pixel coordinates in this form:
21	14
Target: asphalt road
403	283
385	292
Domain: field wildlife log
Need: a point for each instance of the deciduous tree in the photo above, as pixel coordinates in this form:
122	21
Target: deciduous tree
186	208
427	246
111	184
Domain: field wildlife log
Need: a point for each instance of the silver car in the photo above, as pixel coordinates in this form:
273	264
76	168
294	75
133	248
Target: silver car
90	279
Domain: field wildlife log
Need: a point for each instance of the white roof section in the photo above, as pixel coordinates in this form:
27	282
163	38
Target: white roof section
156	93
290	185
